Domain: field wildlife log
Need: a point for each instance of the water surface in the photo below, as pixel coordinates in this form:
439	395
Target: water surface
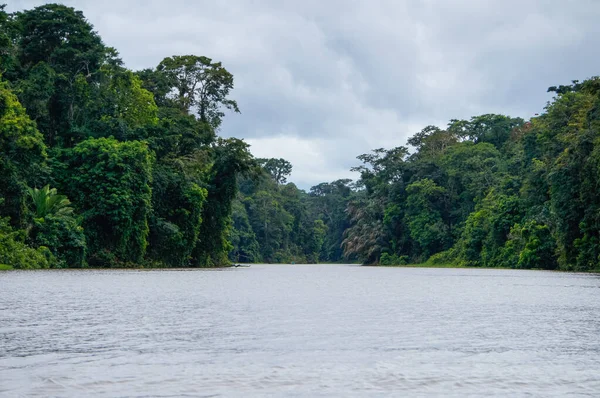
299	330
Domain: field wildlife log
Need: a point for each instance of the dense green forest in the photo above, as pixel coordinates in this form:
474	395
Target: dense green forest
103	166
492	191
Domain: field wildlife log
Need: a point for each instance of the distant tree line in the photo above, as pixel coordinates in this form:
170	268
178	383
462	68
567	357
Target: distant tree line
276	222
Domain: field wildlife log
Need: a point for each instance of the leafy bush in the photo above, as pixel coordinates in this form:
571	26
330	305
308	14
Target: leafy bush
393	259
63	236
446	257
15	253
531	245
54	226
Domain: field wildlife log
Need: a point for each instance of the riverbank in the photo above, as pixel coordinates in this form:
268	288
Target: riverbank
451	265
4	267
422	265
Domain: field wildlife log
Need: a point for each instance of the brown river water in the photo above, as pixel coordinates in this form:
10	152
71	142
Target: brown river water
299	331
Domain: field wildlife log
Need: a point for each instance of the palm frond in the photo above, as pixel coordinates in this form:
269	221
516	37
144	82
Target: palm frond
48	201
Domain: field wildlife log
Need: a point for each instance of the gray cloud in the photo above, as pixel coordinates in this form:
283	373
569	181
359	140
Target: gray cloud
322	82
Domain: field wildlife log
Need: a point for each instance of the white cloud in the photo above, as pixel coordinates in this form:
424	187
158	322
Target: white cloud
320	82
312	155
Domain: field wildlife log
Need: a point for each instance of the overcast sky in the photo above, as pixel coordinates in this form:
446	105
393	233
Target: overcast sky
322	81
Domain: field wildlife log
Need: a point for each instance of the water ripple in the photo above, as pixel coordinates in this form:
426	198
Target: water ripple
299	331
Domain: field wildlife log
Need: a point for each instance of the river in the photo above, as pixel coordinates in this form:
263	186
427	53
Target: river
300	331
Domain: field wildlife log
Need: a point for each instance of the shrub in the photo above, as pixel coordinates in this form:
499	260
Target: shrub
15	253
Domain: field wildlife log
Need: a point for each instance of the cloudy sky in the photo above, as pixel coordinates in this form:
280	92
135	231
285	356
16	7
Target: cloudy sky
322	81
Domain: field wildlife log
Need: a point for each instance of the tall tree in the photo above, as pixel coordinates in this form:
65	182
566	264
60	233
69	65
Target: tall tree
198	82
59	56
109	181
279	169
230	159
22	156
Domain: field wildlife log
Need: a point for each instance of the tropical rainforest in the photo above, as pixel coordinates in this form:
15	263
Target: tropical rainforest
102	166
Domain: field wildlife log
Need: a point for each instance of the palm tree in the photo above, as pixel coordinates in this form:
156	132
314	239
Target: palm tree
47	201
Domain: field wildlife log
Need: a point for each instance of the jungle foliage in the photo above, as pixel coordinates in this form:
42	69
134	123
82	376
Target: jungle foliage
492	191
108	167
